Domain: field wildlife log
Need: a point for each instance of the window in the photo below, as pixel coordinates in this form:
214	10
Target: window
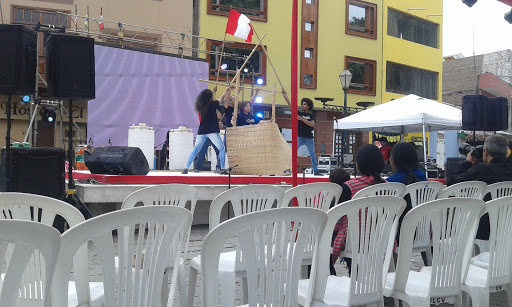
308	79
361	19
144	42
406	80
310	2
413	29
308	26
363	75
233	57
308	52
254	9
31	16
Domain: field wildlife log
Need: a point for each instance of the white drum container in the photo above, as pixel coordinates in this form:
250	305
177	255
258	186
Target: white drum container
143	137
213	157
181	142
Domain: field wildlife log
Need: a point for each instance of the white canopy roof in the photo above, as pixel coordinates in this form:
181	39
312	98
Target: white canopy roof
404	115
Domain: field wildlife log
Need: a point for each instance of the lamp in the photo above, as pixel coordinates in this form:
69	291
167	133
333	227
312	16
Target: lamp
345	78
48	114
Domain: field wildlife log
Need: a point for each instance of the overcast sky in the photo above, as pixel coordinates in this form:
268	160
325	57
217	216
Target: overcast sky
484	19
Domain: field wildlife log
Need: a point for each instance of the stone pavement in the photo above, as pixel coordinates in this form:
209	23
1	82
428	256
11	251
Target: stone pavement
198	234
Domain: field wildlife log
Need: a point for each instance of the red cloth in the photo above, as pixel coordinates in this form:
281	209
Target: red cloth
239	26
385	152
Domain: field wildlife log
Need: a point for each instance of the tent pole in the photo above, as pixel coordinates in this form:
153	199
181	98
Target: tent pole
424	147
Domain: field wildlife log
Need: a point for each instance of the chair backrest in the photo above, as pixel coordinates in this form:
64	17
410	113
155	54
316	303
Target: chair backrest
454	222
150	228
378	217
27	240
42	209
173	194
499	189
388	188
272	242
419	193
500	241
472	189
319	195
245	199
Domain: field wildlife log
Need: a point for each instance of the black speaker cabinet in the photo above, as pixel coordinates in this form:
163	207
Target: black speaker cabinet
482	113
495	116
117	160
472	109
17	60
452	164
36	170
70	70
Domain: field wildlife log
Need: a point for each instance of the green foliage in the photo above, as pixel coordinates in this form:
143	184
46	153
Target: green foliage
359	22
244	4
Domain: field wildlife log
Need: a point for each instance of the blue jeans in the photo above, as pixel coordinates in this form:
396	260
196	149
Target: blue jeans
200	156
217	142
310	144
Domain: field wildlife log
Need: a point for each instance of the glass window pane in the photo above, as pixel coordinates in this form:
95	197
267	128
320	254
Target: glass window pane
18	15
308	53
308	79
35	17
411	28
27	16
356	16
308	26
47	19
309	1
405	80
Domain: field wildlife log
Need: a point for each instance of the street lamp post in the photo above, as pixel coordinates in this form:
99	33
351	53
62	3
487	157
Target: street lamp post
345	77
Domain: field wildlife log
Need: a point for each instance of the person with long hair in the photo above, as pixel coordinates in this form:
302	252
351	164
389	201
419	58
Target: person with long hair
207	107
244	116
405	164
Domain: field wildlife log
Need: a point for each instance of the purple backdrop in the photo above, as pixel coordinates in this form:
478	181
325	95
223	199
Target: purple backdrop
136	87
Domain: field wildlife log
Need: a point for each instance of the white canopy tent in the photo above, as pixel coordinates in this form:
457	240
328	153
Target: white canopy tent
407	114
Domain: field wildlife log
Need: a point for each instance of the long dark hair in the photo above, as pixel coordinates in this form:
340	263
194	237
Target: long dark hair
405	159
370	162
242	106
202	101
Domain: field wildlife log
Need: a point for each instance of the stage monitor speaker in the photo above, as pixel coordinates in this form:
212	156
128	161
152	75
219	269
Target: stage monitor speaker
36	170
70	70
452	164
17	60
117	160
495	115
472	109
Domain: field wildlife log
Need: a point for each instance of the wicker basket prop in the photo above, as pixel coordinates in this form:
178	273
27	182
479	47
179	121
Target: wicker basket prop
258	150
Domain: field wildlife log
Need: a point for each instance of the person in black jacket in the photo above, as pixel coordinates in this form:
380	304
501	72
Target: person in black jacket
494	168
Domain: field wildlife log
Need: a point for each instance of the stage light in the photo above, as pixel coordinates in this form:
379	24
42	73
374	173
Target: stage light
508	17
469	3
246	70
48	114
224	66
259	114
259	81
258	99
26	98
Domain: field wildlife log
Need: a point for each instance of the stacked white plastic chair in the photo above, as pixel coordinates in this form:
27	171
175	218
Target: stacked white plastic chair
420	193
45	210
150	228
23	243
471	189
388	188
372	222
454	222
167	195
243	200
273	243
491	271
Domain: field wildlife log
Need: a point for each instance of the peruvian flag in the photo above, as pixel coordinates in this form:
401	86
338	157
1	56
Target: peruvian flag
101	25
239	26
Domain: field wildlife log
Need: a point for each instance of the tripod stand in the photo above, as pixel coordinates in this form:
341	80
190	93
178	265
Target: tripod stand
70	195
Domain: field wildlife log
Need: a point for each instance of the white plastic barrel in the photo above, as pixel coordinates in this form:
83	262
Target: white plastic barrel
143	137
181	142
213	157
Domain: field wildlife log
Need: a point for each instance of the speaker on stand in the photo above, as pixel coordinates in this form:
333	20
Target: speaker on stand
17	73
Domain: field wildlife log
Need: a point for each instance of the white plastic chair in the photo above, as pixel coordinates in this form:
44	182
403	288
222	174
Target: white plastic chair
174	194
243	200
491	271
37	208
472	189
379	220
150	228
388	188
420	193
500	189
454	222
27	242
272	242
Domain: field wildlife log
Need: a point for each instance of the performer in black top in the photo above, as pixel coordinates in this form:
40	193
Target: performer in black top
206	106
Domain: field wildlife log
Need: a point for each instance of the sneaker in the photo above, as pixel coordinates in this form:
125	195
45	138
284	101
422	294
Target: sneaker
185	171
221	172
318	174
196	170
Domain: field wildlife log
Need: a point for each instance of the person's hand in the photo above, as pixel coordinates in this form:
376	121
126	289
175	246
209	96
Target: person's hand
470	158
214	91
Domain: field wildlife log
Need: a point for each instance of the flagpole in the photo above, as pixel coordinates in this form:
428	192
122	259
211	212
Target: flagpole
1	11
293	78
88	23
220	59
268	57
76	18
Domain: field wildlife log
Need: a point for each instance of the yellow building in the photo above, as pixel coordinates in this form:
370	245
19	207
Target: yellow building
383	43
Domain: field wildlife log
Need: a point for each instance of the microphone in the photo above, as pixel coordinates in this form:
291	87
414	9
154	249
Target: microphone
232	167
335	119
109	141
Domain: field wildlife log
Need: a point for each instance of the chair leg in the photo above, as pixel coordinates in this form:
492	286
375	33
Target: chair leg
244	290
192	279
428	253
509	294
227	285
182	287
458	301
165	289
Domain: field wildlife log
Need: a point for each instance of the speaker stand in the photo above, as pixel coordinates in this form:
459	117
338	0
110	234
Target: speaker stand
70	194
8	145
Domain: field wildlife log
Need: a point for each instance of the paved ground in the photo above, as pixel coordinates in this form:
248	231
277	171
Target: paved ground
198	234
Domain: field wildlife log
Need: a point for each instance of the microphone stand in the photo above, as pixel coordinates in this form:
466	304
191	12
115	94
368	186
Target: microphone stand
304	175
229	176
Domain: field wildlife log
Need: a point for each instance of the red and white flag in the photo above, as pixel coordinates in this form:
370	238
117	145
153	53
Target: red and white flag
239	26
101	20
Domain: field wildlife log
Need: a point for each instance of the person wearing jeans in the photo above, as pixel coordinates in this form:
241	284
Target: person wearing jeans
198	165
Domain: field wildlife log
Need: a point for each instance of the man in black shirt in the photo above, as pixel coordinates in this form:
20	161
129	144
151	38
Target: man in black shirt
493	169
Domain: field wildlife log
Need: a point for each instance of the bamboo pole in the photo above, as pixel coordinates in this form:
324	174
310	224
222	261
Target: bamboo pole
220	59
268	57
225	84
274	105
235	111
246	60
